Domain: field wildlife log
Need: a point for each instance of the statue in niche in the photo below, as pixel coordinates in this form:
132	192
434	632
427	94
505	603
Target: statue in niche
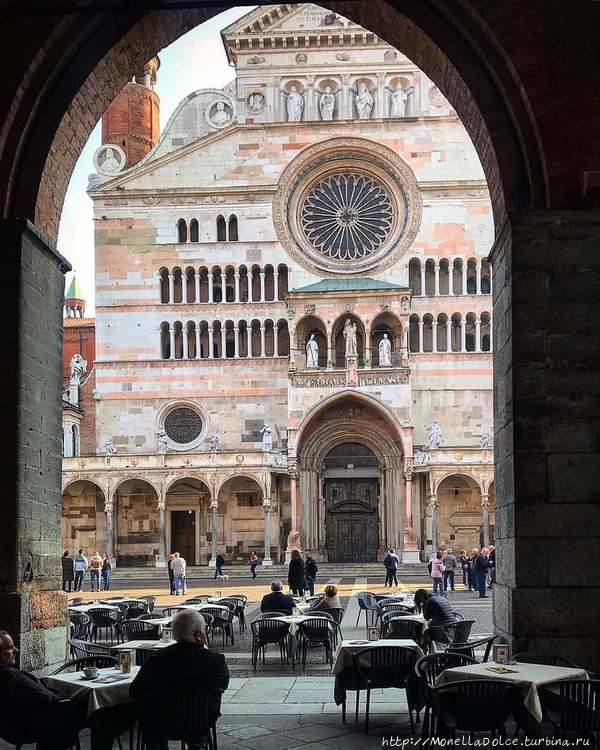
256	102
214	444
350	336
485	441
399	100
267	438
111	163
221	116
78	367
293	540
327	104
364	102
161	442
385	352
109	447
434	434
312	353
295	105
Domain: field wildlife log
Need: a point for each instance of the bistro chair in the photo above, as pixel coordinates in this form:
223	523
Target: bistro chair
238	609
457	615
108	620
222	621
151	600
446	635
76	665
402	627
573	706
366	603
473	706
386	617
551	660
170	611
427	669
134	630
135	608
317	631
268	631
270	615
189	715
81	625
386	667
152	616
82	649
469	647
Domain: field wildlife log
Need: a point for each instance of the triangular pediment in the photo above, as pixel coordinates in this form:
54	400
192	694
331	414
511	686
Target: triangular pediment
289	18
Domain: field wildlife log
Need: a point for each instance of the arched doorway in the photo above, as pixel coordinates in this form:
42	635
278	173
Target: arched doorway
240	518
351	490
136	523
186	520
83	518
460	513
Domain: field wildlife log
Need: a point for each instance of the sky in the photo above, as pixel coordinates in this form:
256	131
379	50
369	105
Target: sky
196	60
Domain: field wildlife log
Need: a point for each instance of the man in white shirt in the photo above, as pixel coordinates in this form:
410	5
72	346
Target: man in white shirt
179	565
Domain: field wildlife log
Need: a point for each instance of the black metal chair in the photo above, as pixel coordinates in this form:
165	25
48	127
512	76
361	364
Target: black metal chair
222	620
402	627
473	706
108	620
76	665
386	667
239	605
34	734
269	631
135	608
573	706
170	611
457	615
317	631
427	670
386	617
82	649
140	630
446	635
152	616
270	615
189	715
551	660
151	600
469	647
81	625
366	603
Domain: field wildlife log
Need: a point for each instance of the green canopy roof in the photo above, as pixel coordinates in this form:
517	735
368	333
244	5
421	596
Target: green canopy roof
354	284
75	291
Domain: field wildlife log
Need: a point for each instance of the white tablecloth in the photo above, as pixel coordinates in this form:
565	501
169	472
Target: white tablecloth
86	607
94	694
294	620
527	677
344	659
146	645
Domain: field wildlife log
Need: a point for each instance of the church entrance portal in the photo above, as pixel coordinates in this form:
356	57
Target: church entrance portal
351	490
183	534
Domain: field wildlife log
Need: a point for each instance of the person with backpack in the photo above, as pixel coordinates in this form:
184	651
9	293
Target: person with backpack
310	572
391	562
80	565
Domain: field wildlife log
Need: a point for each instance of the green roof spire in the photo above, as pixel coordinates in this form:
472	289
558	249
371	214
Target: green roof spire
74	291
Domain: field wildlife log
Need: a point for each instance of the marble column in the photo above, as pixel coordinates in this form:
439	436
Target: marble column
171	288
436	278
223	341
236	342
485	518
421	348
410	551
184	297
463	334
236	276
478	275
477	335
433	502
434	336
262	286
275	340
184	337
211	341
197	286
162	533
423	278
210	287
275	285
108	509
198	342
263	352
172	341
464	275
267	535
214	507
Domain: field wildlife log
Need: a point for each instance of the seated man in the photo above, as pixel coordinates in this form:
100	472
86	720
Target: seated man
30	711
189	663
277	601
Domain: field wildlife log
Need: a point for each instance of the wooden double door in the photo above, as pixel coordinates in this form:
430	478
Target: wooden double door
351	520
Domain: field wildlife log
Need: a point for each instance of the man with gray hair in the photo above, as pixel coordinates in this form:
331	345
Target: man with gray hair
277	601
187	664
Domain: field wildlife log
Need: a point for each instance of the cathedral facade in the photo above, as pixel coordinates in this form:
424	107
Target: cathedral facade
293	315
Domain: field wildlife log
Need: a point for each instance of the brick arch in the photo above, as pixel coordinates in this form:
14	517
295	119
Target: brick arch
55	96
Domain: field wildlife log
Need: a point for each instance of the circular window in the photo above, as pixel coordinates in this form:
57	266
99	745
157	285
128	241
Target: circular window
183	425
346	216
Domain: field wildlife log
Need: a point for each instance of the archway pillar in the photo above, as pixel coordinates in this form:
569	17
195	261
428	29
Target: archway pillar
546	415
162	533
214	507
485	519
33	606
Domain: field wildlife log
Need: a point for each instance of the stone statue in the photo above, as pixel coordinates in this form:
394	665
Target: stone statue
312	353
398	102
385	352
267	438
214	444
485	441
350	336
161	442
221	116
364	102
293	540
434	435
256	102
295	105
109	447
327	104
78	367
110	163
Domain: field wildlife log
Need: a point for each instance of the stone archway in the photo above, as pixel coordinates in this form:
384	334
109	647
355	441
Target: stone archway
460	516
136	523
187	523
84	518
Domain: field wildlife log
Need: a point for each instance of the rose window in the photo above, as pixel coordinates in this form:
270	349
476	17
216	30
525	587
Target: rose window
347	216
183	425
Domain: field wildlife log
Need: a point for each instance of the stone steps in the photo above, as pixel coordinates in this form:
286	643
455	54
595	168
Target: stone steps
237	571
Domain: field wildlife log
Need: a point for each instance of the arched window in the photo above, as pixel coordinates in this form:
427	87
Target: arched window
190	285
269	338
430	277
485	332
217	339
470	332
269	284
455	334
194	231
427	333
243	271
232	234
221	229
229	284
255	284
414	276
203	284
486	277
177	285
283	338
182	233
442	333
178	340
457	276
471	276
217	285
413	333
255	342
444	274
164	285
204	340
282	281
75	440
229	339
165	341
243	338
191	339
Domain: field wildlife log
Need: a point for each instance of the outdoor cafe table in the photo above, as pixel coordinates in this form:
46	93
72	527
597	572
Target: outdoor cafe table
86	607
143	645
100	699
526	677
346	676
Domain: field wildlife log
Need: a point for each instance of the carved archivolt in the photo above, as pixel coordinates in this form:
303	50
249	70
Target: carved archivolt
347	206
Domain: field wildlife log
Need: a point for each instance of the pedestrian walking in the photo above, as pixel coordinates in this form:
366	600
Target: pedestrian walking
391	562
450	562
465	562
310	571
95	567
170	573
253	562
492	569
219	562
437	573
105	571
296	573
68	573
80	565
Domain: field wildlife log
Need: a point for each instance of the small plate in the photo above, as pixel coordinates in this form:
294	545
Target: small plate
84	677
359	643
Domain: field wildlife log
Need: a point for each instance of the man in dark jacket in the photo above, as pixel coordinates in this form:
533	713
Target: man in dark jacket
30	711
189	663
219	562
479	570
277	601
310	571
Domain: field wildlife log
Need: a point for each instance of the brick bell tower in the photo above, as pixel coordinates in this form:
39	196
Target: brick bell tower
132	120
